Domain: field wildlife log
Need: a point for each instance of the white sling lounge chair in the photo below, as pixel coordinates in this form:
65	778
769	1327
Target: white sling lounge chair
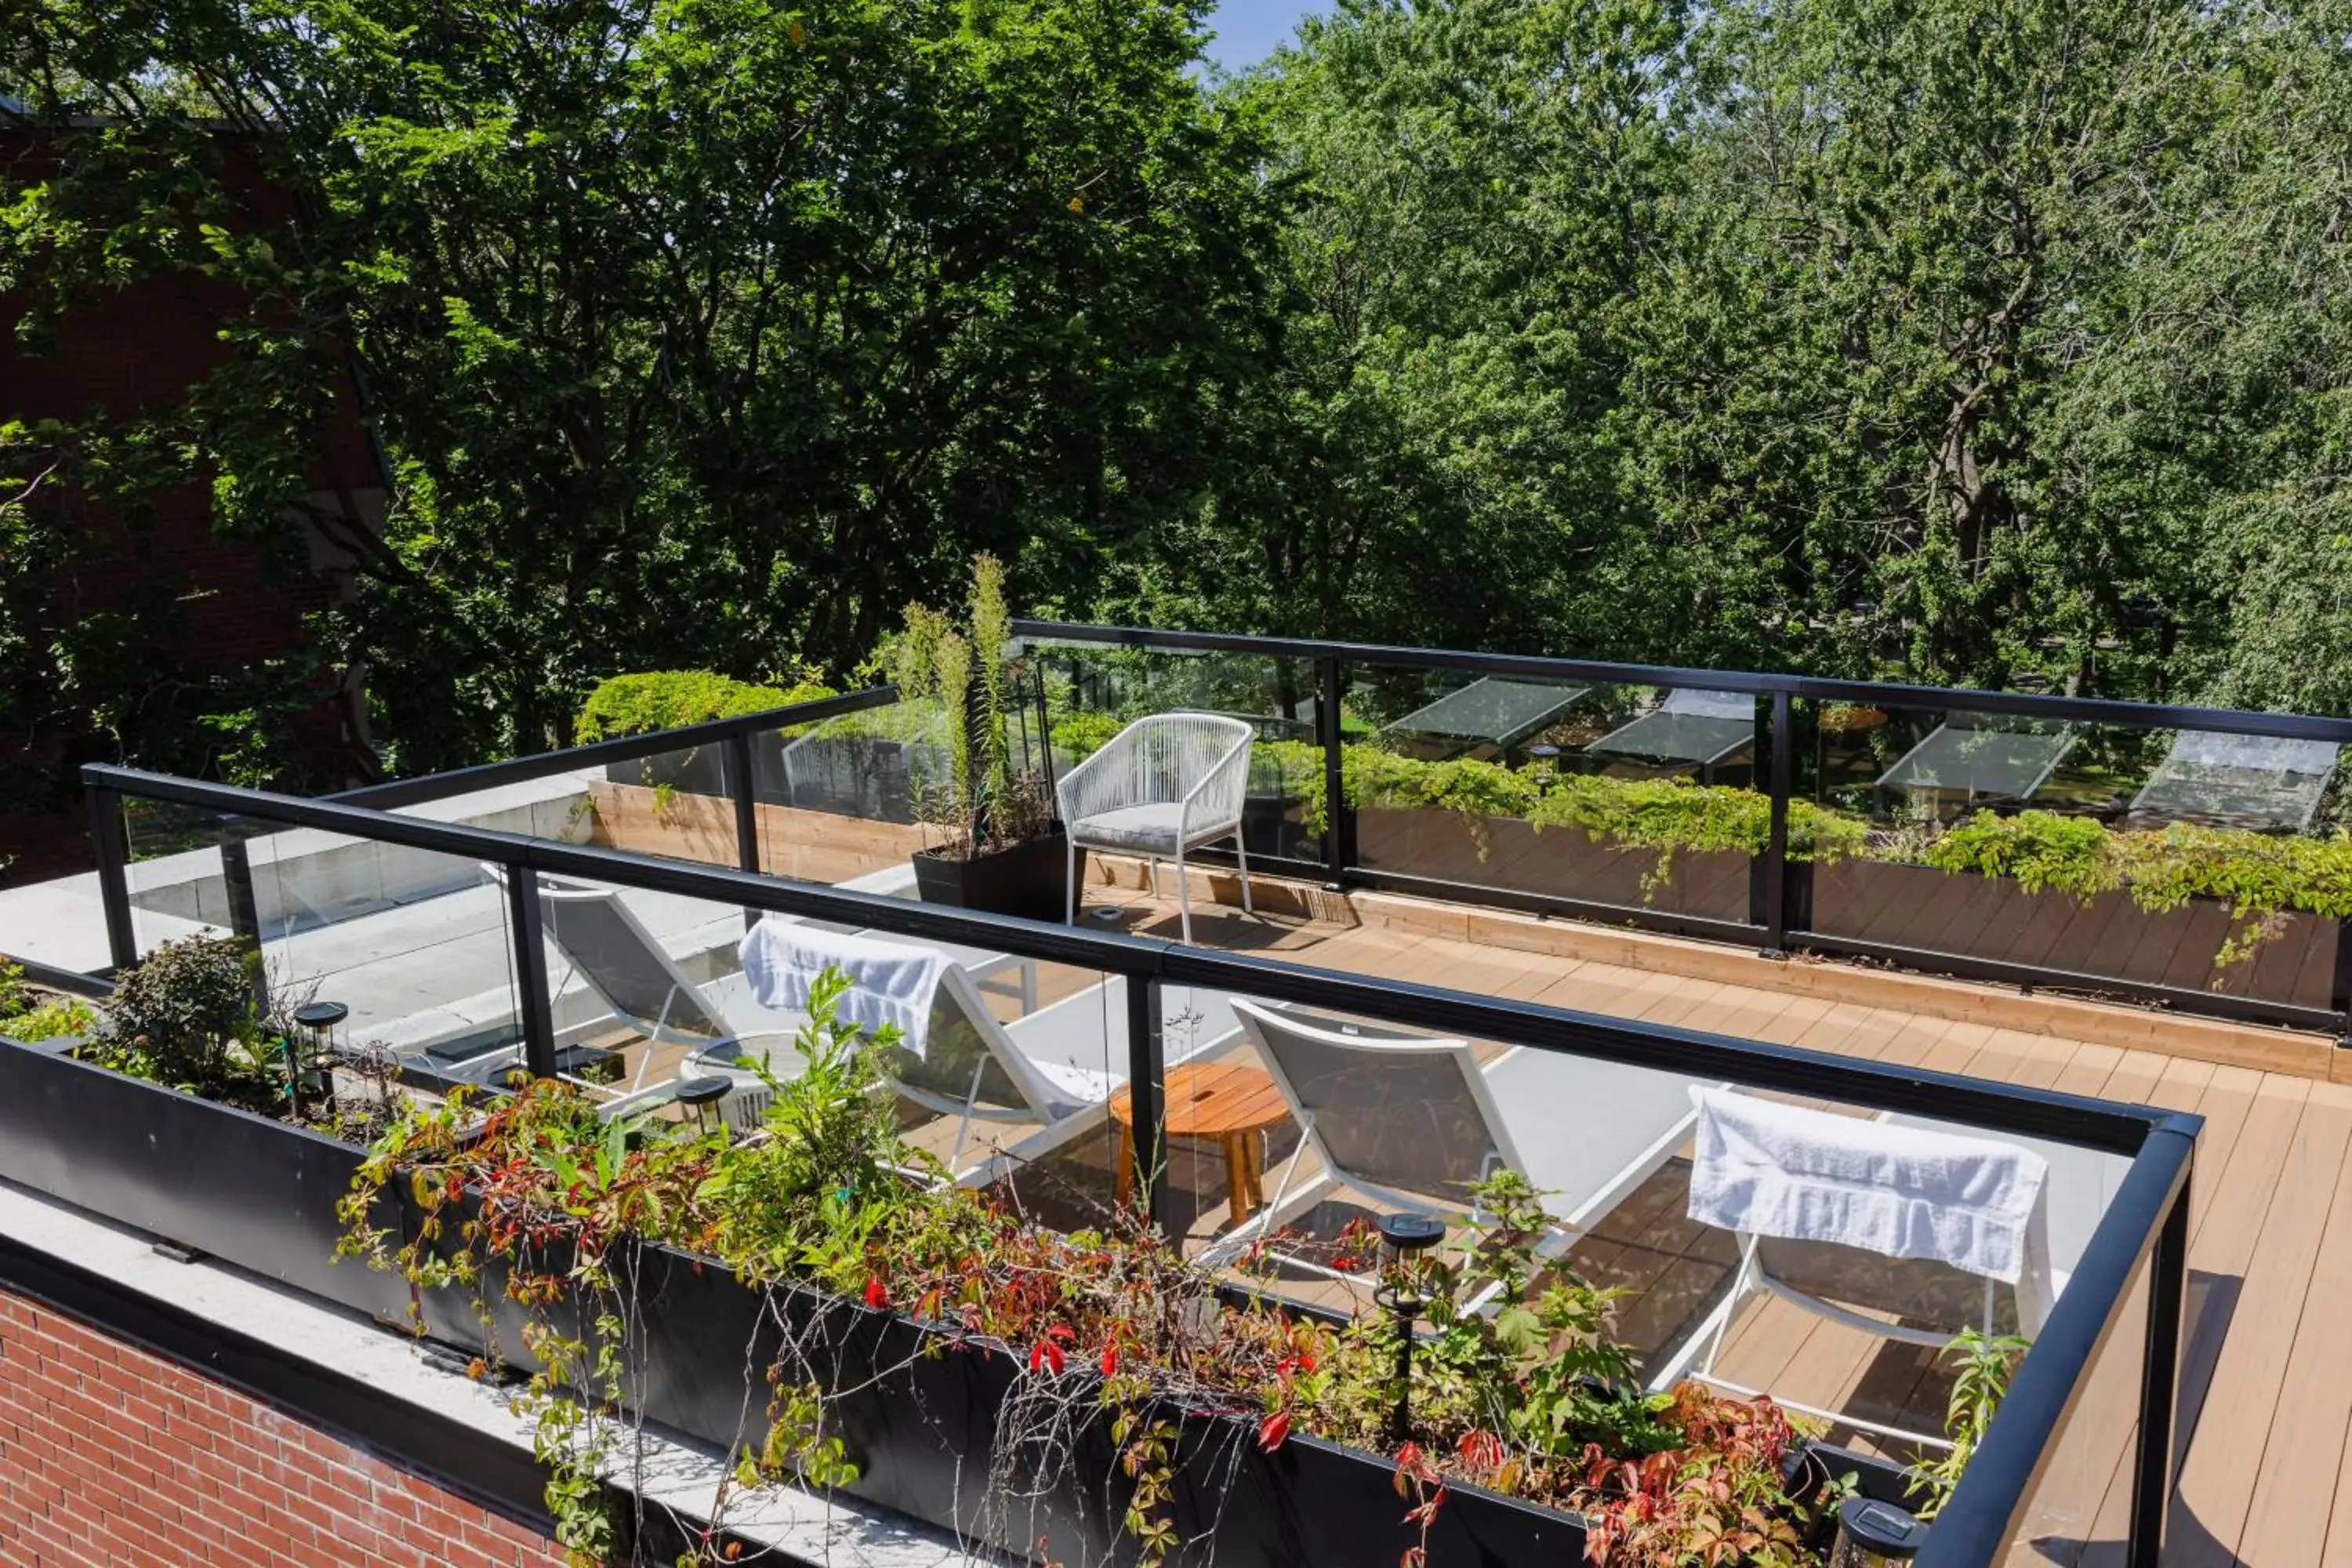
1912	1231
1412	1121
1163	785
608	949
1047	1077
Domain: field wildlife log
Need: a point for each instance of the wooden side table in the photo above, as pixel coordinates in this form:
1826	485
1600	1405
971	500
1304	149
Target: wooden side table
1229	1101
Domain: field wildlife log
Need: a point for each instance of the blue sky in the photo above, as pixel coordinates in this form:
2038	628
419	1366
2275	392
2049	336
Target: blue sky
1247	30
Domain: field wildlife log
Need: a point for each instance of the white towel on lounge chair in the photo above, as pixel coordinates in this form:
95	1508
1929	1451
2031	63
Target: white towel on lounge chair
891	983
1762	1168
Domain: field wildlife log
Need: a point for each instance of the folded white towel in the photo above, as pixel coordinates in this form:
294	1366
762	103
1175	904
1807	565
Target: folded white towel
1762	1168
889	981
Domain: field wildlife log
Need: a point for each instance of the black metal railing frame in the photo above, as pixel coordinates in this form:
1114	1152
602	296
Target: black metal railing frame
1775	933
2145	1227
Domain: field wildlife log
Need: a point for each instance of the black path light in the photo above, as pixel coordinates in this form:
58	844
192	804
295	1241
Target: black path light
1400	1292
304	1062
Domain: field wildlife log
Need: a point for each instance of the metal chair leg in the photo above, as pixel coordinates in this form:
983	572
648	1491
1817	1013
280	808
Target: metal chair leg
1241	854
1183	894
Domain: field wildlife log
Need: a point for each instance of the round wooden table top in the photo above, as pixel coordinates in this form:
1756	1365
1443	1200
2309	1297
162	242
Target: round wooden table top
1214	1100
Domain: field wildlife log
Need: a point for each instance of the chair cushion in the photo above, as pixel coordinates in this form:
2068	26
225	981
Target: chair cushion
1148	828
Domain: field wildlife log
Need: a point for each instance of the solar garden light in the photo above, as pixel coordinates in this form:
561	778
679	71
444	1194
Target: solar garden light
1406	1234
1874	1534
305	1071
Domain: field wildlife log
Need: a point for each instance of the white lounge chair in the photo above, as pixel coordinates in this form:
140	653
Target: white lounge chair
1161	787
1050	1073
608	949
1912	1299
1412	1121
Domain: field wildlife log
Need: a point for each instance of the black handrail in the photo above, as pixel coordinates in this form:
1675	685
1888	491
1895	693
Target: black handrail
1974	1528
2032	1112
1822	689
1775	924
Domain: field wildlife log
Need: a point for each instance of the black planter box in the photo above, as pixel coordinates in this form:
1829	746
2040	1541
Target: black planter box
245	1189
1029	879
919	1410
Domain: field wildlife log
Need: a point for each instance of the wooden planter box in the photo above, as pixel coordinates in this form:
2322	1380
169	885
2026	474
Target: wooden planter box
1555	862
2110	937
846	775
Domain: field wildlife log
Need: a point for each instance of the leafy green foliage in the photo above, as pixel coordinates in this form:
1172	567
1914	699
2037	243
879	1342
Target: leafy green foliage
185	1017
829	1197
24	1017
1986	1363
672	698
2257	875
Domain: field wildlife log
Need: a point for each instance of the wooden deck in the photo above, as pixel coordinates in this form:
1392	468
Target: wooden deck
2267	1370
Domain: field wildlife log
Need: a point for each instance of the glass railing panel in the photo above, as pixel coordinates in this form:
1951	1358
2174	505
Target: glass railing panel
2079	1509
674	804
1092	691
850	798
1632	797
415	945
2184	861
177	873
1318	1123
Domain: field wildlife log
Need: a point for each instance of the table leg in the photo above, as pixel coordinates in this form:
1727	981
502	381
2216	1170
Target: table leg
1254	1150
1123	1164
1237	1181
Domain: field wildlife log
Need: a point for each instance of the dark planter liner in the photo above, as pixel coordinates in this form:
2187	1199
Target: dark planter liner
245	1189
1993	918
1553	862
918	1410
1029	879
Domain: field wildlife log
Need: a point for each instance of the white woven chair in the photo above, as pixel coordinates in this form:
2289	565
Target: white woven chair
1163	785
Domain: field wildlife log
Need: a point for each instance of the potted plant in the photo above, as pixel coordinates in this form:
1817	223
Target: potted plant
1001	850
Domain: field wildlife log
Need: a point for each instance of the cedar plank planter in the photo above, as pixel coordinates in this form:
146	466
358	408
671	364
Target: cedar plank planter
2110	937
1551	862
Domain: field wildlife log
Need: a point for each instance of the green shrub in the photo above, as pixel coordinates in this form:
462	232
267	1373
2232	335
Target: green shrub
185	1017
671	699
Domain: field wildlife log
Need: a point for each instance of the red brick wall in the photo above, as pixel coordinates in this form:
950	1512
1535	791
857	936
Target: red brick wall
112	1456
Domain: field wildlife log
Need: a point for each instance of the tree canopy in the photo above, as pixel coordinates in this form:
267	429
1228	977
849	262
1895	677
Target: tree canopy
1942	340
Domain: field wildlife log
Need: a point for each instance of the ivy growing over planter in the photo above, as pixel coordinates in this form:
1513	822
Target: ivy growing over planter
533	1204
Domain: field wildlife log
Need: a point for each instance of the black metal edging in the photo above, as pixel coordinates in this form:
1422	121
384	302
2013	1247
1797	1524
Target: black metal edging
1941	699
620	749
1975	1526
73	981
2009	1107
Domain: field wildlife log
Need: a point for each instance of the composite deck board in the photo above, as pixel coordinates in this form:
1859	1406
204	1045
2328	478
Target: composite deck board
2267	1410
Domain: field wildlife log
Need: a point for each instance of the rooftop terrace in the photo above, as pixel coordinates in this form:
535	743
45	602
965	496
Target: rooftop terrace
1608	892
